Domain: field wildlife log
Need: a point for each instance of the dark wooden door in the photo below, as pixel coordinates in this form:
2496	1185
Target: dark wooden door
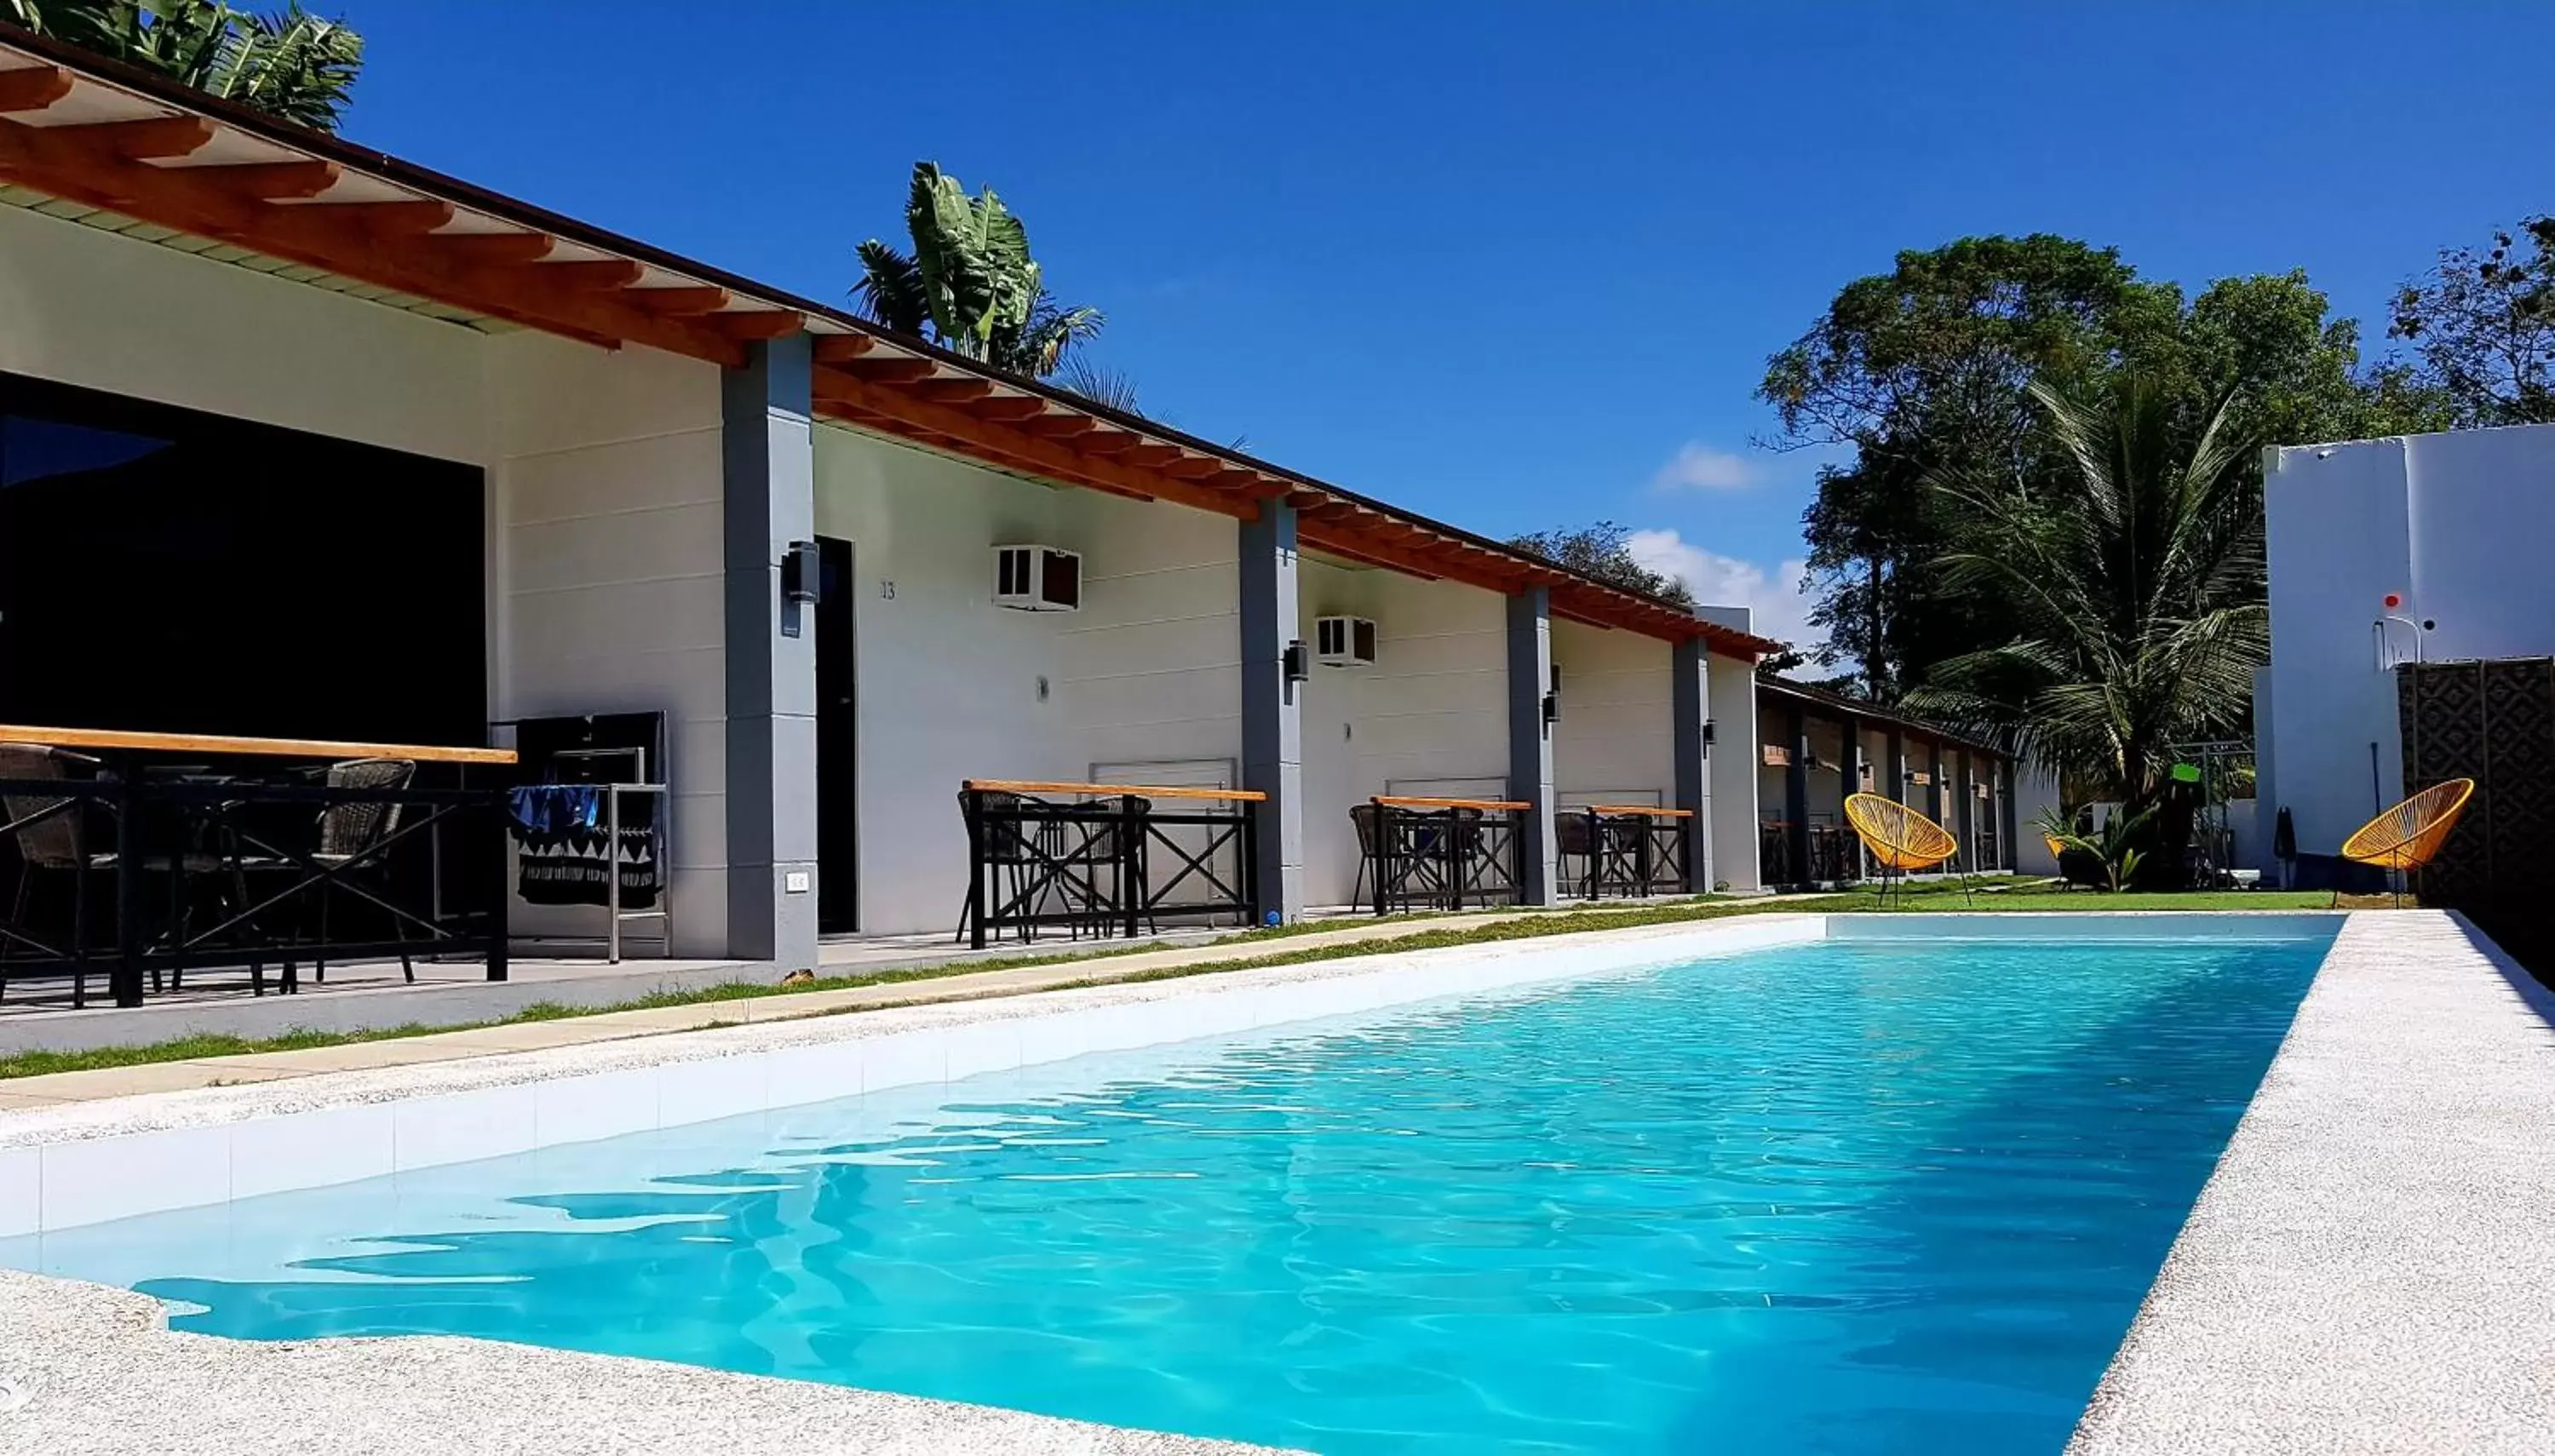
838	864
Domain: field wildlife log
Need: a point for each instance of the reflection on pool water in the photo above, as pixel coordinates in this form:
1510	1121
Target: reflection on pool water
1859	1196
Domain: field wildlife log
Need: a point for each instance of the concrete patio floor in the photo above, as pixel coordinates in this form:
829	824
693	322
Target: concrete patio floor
373	994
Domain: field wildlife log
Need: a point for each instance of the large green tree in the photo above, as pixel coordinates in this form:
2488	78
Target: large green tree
289	63
970	284
1923	373
2481	324
2132	587
1602	551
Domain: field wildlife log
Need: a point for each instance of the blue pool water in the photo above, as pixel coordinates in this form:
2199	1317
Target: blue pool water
1839	1198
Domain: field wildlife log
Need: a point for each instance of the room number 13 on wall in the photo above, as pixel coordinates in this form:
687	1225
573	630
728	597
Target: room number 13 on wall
887	589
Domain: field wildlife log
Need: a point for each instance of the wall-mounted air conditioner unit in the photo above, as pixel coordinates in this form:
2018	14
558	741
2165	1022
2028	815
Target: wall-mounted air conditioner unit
1344	642
1038	578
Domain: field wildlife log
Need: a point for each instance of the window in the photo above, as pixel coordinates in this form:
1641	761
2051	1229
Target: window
163	568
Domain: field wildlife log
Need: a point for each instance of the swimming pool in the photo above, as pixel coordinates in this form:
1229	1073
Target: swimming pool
1855	1196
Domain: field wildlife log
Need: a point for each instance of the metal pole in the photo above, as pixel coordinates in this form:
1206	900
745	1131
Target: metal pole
974	802
1130	863
612	871
1383	855
501	894
128	900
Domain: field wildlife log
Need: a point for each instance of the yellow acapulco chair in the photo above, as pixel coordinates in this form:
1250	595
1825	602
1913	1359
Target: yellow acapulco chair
1902	839
2408	836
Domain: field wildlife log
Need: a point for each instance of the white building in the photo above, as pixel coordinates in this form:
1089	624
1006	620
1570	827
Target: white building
2382	552
302	442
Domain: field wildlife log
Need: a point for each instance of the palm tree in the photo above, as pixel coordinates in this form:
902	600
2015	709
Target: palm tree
289	63
970	284
2135	592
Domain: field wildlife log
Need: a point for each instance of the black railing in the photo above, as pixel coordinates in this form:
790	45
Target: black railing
1620	853
1438	854
1835	854
145	877
1774	854
1120	865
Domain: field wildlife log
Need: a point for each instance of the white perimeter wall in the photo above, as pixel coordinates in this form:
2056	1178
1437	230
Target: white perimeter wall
602	489
950	685
1431	716
2457	523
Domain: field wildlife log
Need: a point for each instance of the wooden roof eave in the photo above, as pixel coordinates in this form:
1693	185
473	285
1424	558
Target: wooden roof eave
131	147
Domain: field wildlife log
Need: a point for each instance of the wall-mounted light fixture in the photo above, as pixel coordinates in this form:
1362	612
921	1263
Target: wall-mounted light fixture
1552	698
800	578
799	572
1299	662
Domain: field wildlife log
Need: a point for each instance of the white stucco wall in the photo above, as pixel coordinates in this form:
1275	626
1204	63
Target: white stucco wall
952	686
2035	790
1431	716
1615	742
2457	524
606	572
603	475
84	307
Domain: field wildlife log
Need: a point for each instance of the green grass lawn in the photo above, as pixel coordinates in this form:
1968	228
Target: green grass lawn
2037	896
2011	894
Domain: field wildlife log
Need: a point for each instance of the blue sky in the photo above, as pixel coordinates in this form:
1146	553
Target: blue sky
1515	265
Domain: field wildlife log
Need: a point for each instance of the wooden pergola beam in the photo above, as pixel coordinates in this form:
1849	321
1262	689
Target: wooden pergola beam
159	136
837	348
270	181
34	89
395	219
497	249
888	369
757	324
597	274
1062	426
1011	408
680	302
1038	454
85	164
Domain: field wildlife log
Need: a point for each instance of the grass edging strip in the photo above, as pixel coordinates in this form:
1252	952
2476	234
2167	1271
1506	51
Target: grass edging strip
1542	922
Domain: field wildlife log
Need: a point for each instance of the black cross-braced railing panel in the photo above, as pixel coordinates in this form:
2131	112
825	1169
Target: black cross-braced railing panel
1440	857
1119	866
146	877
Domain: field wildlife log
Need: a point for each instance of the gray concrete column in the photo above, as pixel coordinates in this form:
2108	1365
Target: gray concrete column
1934	782
769	463
1965	822
1895	766
1273	709
1850	782
1736	760
1531	742
1796	792
1689	700
2005	816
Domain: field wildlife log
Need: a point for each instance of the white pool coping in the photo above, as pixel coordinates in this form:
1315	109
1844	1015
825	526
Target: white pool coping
2371	1268
70	1166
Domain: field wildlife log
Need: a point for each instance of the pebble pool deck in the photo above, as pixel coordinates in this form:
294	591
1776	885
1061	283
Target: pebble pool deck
2371	1268
2368	1270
